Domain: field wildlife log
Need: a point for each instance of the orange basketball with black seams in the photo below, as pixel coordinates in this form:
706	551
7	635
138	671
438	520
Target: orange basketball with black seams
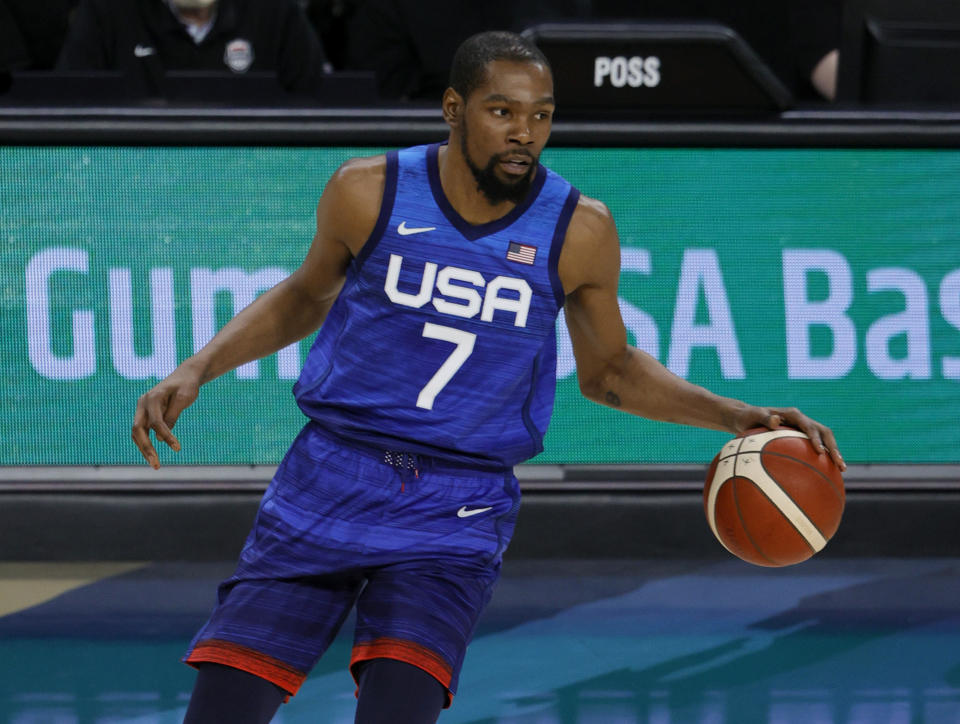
771	498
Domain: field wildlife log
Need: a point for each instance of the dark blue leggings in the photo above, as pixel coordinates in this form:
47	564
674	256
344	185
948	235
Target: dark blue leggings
391	692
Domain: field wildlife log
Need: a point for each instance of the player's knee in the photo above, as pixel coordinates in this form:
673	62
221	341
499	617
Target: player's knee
225	694
394	692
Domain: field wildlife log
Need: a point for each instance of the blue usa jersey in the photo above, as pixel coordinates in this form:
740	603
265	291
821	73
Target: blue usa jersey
442	341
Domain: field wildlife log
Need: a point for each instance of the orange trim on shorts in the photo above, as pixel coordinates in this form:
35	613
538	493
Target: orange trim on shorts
217	651
408	652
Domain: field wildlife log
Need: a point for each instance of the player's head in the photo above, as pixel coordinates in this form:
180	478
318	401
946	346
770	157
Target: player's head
499	107
471	62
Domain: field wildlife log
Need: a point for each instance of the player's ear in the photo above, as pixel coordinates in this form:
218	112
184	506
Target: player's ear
452	106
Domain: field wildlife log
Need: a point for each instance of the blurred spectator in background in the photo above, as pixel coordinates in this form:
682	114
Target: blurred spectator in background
331	19
13	49
798	39
410	43
146	38
31	33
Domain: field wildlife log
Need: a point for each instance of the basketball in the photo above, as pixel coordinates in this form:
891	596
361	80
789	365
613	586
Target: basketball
771	499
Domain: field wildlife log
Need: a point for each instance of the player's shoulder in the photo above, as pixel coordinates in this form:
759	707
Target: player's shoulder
591	221
350	204
591	248
360	174
357	185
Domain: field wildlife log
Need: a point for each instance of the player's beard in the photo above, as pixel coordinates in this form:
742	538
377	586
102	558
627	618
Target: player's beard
495	190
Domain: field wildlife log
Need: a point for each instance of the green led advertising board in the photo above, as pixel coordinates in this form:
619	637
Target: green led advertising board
828	279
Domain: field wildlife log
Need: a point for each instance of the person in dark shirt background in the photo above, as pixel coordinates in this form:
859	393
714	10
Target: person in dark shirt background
31	33
331	19
146	38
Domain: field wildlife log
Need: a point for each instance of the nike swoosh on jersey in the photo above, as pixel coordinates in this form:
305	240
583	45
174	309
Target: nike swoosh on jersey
142	51
465	513
405	230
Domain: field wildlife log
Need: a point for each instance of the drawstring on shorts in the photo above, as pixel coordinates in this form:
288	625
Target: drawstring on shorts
407	465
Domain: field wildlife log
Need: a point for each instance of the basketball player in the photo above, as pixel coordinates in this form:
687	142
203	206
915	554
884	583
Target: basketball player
437	273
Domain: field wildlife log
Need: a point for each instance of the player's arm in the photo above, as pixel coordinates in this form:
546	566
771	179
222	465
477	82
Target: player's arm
615	374
294	308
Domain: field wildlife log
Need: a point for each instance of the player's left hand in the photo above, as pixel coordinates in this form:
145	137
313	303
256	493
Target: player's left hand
820	435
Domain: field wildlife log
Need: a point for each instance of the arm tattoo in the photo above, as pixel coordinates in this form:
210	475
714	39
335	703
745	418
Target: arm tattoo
613	399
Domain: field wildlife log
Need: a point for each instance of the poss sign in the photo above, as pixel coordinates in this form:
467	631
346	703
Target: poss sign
656	66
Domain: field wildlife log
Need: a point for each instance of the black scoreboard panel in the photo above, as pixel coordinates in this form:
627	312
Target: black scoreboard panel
897	53
651	67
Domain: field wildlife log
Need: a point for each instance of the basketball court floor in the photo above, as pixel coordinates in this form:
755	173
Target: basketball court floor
831	641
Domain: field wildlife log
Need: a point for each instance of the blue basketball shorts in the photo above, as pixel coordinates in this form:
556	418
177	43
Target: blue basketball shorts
415	543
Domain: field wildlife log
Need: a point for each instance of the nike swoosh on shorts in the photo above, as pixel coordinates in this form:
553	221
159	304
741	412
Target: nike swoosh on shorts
465	513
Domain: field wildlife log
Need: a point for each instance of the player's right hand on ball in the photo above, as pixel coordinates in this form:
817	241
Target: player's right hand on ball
158	410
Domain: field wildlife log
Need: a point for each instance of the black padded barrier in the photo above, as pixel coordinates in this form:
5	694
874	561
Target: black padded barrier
147	526
603	511
828	127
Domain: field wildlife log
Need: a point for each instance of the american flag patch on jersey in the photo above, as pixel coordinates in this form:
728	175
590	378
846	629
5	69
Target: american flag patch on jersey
523	253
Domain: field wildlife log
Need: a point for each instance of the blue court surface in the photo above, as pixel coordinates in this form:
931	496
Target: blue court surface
833	640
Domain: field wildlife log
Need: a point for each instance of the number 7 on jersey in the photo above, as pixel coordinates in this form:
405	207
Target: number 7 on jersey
464	348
